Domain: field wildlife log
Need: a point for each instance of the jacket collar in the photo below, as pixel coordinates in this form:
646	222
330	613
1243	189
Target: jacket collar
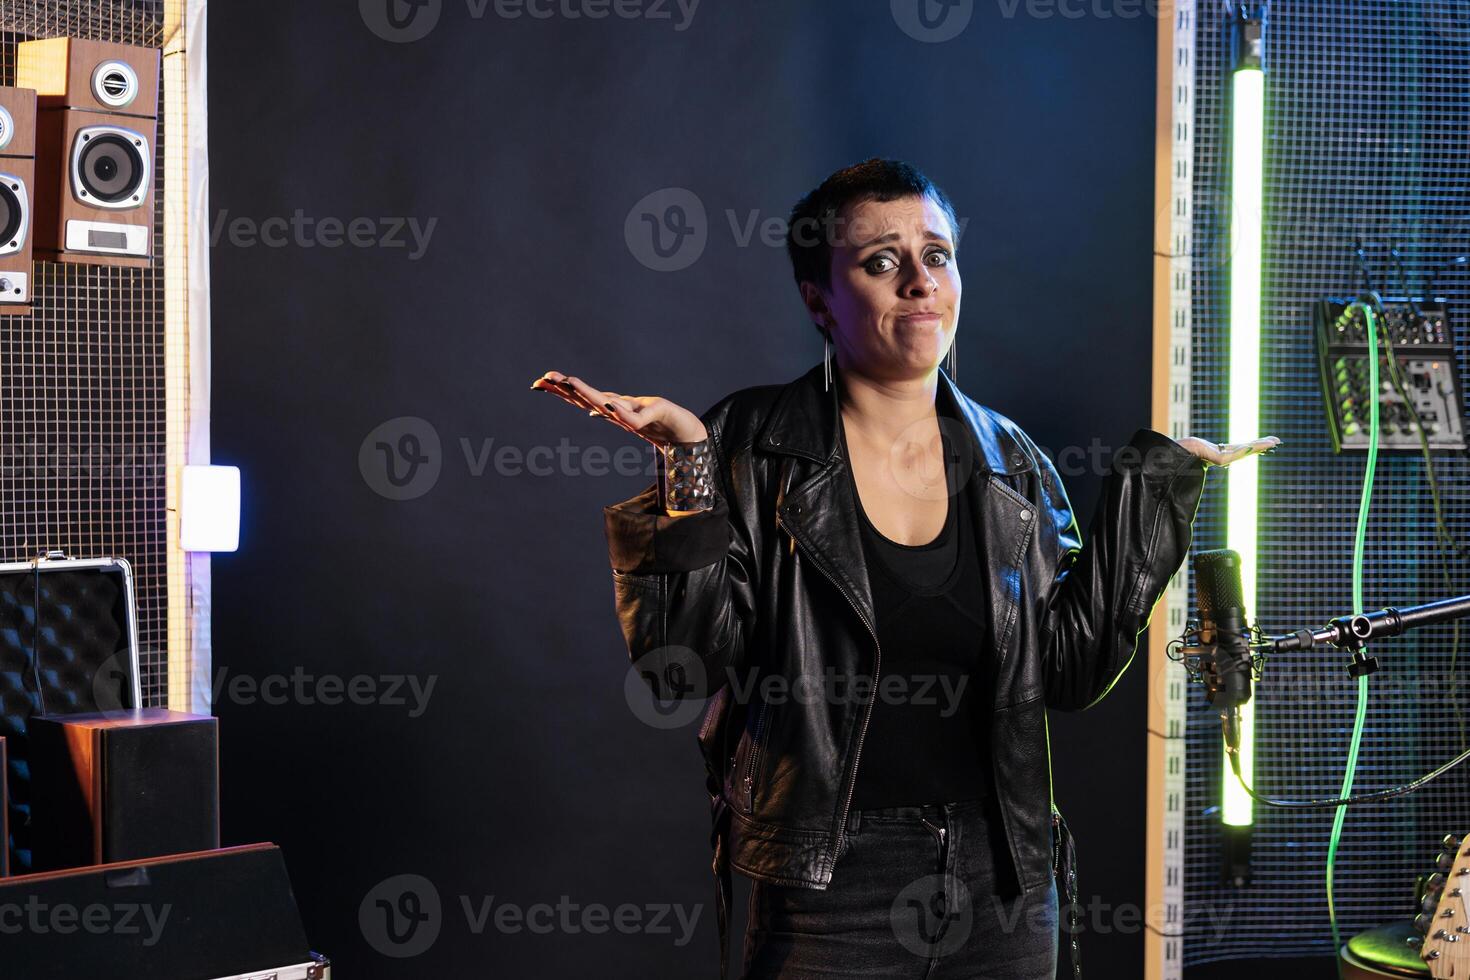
803	422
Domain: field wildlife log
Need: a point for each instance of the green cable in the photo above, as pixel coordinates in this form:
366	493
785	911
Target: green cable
1358	539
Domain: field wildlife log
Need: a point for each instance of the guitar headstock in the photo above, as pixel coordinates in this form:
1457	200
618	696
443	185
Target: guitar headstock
1446	929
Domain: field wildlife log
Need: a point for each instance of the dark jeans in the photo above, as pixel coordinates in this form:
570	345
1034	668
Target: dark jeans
914	894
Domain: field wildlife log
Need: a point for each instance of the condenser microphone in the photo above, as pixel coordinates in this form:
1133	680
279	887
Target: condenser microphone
1225	634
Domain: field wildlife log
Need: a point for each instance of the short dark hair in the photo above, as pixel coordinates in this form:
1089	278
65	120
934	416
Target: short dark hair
872	180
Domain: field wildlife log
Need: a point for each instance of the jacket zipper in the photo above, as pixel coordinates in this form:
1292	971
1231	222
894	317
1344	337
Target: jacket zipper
1056	844
756	750
863	730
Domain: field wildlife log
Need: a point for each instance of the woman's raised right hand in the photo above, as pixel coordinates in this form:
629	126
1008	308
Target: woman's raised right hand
649	417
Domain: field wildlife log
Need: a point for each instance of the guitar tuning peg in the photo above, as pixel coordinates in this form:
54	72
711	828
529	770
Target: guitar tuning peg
1422	921
1446	860
1433	888
1450	843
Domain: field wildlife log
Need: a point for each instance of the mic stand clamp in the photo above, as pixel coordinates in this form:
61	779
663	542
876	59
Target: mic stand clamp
1352	639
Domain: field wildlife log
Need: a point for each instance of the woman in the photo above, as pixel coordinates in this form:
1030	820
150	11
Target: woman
870	530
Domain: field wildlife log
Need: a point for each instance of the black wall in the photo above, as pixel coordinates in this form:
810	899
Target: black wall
527	142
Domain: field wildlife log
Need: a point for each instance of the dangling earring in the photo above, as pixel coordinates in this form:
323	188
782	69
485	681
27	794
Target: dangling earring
826	361
950	359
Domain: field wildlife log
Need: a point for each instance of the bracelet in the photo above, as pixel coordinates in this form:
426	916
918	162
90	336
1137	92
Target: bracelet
687	481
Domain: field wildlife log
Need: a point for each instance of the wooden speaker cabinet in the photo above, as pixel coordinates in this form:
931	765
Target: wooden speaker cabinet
121	786
96	144
17	197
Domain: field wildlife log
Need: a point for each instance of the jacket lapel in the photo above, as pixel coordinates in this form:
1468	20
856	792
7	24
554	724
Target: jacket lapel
1004	520
817	507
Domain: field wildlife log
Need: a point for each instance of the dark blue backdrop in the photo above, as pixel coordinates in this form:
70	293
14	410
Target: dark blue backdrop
410	231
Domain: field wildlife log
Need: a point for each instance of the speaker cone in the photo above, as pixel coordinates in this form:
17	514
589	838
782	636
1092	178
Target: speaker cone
12	214
110	168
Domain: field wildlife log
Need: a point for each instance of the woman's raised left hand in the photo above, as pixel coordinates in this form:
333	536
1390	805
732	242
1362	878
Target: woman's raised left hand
1223	454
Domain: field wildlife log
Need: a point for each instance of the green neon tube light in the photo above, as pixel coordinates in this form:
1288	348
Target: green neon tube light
1247	161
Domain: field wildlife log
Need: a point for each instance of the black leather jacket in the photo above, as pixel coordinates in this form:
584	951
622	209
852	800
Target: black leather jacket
772	581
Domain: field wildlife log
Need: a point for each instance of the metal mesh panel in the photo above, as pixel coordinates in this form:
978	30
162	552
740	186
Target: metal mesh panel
1368	136
82	393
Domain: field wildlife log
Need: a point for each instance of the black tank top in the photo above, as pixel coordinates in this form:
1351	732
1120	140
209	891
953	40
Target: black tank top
928	736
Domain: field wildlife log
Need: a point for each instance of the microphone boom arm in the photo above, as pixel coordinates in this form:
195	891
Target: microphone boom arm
1354	632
